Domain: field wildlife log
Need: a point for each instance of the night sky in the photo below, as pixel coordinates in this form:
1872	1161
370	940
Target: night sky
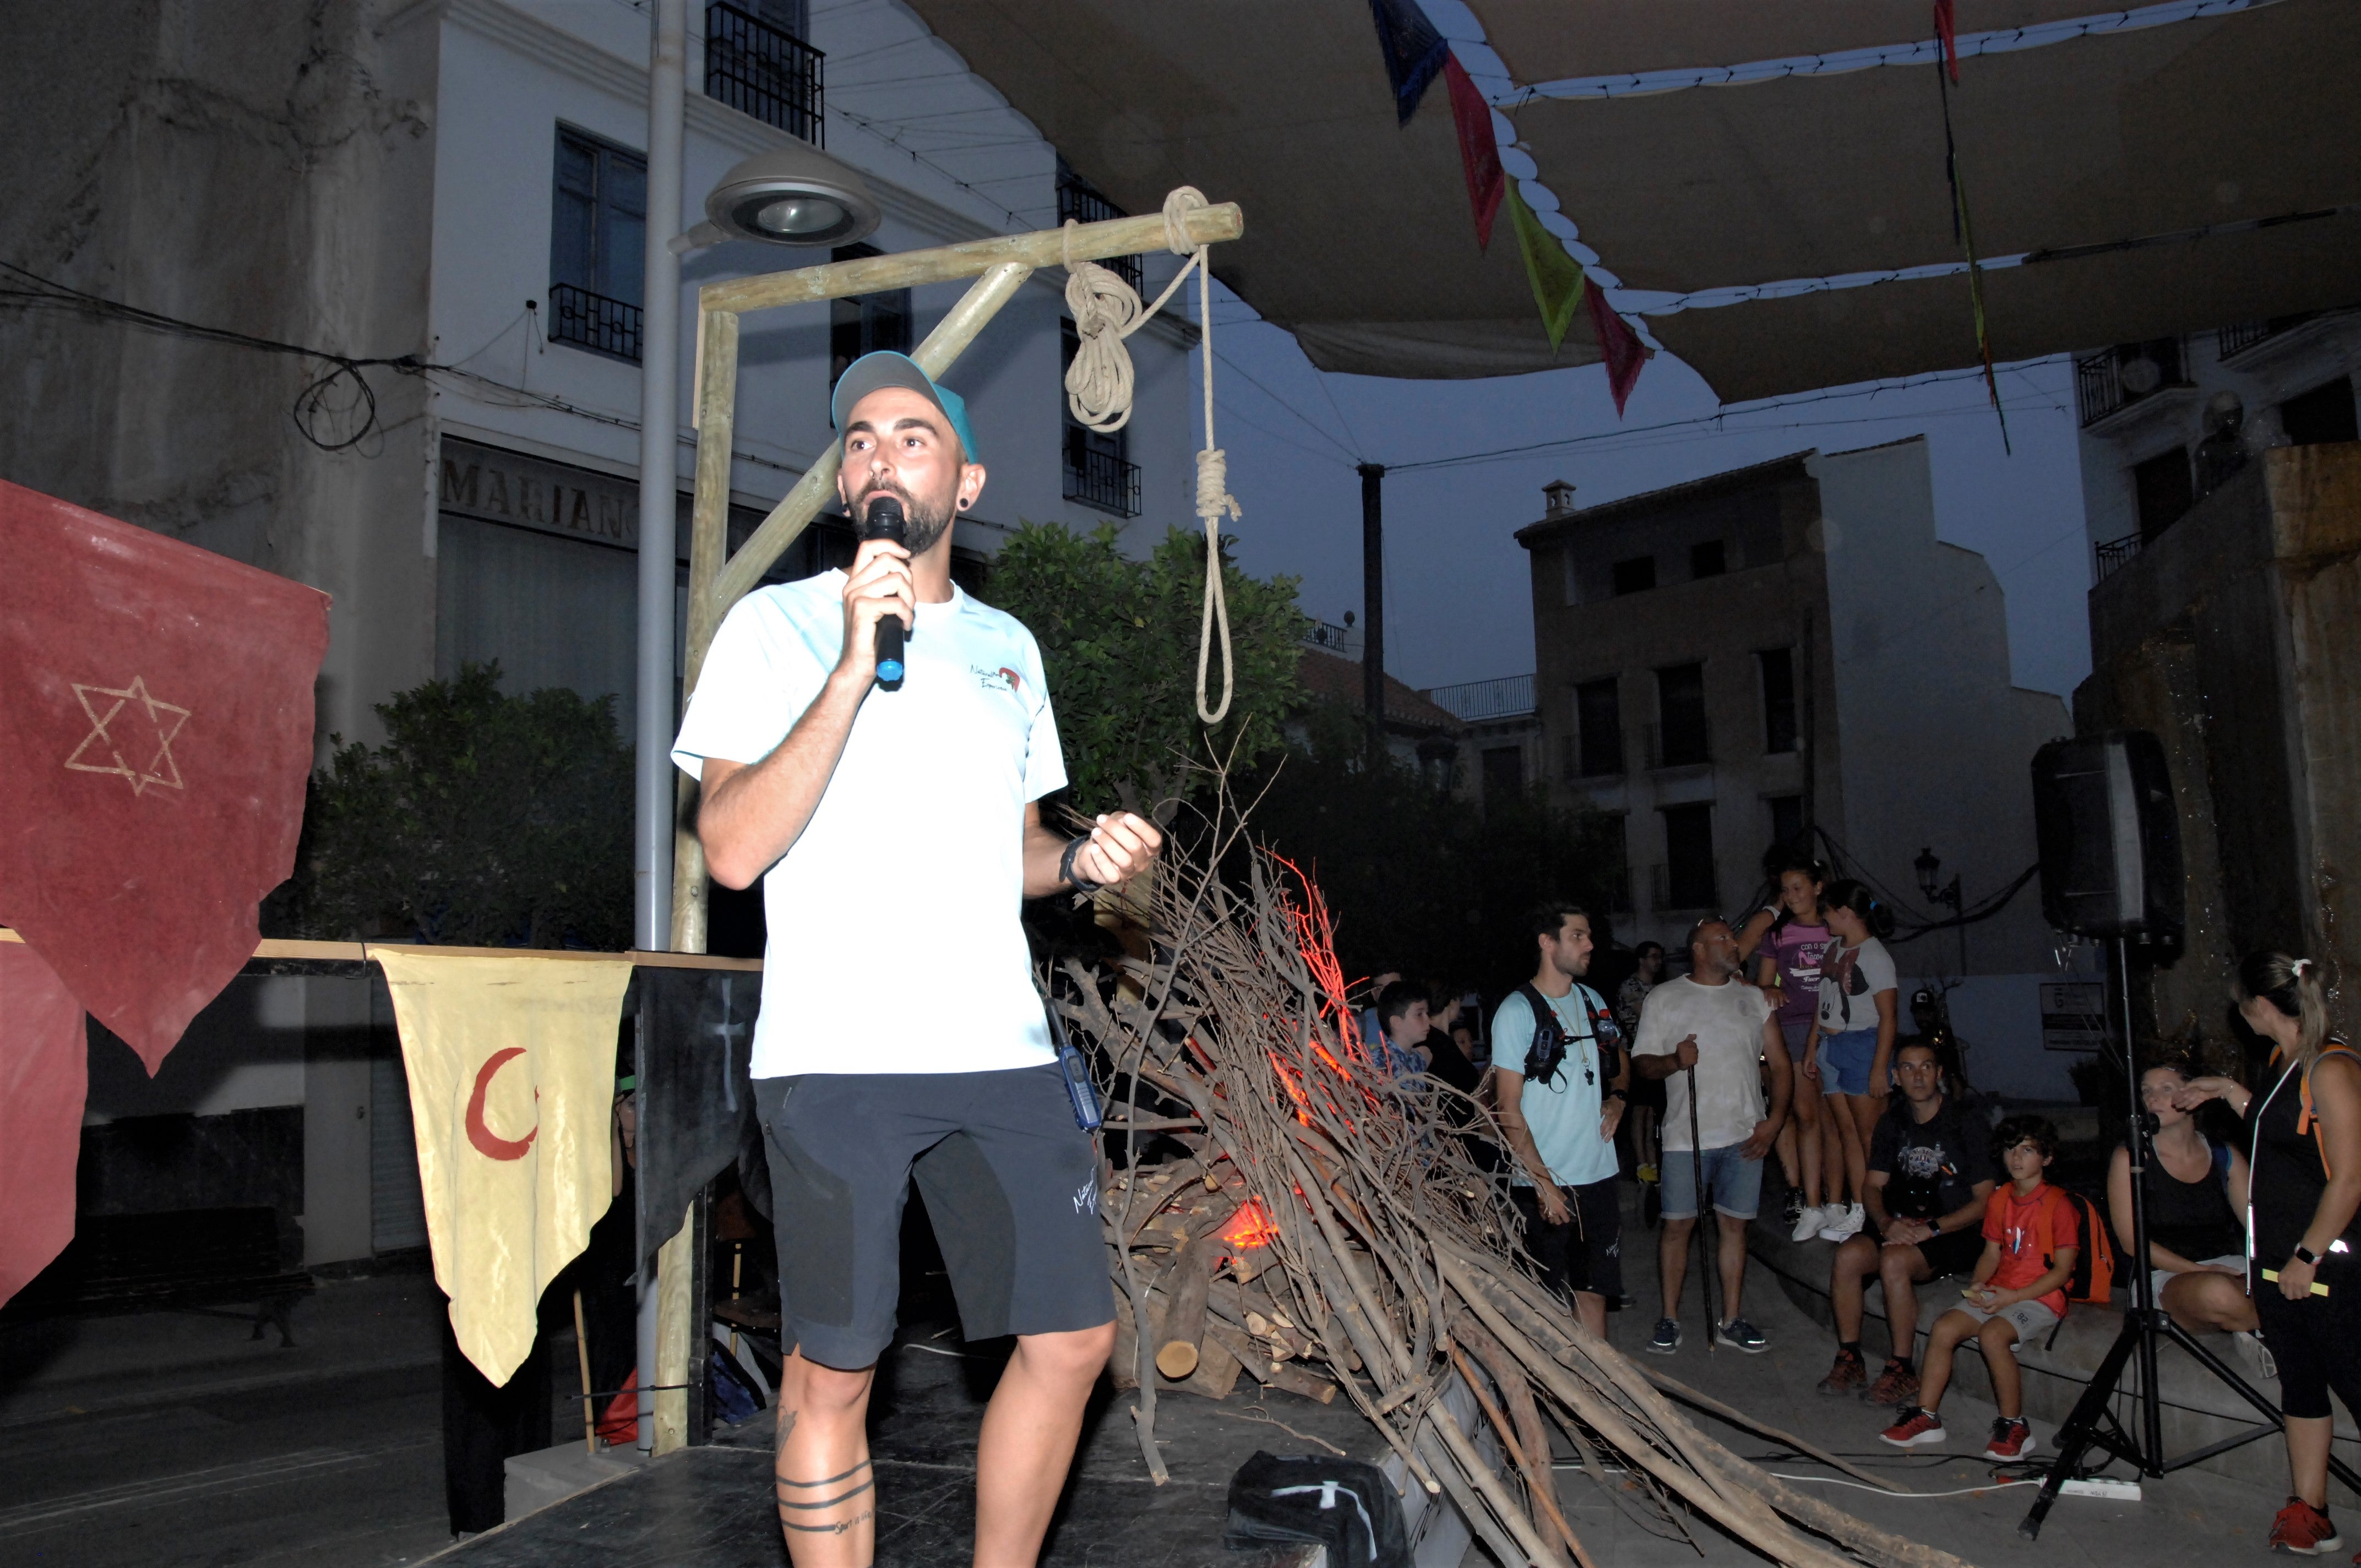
1458	597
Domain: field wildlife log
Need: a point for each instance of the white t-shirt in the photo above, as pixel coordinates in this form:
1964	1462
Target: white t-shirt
1562	1116
894	943
1850	979
1727	1020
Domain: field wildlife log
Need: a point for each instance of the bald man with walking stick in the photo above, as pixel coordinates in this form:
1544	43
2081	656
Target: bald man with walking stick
1713	1040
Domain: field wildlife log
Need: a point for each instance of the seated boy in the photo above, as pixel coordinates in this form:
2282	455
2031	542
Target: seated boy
2031	1238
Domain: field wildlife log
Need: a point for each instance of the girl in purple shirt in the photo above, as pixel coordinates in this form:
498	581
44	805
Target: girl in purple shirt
1787	966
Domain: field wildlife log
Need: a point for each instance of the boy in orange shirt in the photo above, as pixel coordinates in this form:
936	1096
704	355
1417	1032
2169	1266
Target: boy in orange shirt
2031	1237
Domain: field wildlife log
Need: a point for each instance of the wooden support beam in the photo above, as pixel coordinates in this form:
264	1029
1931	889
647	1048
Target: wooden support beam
1045	247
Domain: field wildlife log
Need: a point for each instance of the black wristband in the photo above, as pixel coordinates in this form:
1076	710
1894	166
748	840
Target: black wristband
1067	875
1618	1094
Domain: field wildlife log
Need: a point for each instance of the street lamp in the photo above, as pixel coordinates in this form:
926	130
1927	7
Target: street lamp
793	195
1929	867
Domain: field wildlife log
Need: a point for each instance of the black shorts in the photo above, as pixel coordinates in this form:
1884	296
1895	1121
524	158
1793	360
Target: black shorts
1011	1185
1953	1252
1587	1251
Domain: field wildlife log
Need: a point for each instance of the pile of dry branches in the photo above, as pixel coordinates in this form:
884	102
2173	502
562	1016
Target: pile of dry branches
1328	1229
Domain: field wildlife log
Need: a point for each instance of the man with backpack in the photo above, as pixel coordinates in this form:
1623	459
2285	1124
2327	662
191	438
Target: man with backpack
1562	1080
1930	1174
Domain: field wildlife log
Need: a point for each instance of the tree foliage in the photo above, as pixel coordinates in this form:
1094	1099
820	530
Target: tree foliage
484	821
1119	643
1435	887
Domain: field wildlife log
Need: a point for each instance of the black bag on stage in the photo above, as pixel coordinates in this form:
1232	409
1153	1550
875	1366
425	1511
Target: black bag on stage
1344	1505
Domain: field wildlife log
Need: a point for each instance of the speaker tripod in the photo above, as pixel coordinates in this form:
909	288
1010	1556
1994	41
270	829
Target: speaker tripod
2093	1423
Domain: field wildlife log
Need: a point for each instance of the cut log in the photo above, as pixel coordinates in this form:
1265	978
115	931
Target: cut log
1190	1276
1218	1369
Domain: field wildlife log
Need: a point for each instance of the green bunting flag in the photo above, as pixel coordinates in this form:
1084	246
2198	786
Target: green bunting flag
1556	276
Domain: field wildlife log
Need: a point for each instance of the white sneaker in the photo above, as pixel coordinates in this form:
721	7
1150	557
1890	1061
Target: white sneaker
2256	1355
1844	1223
1808	1223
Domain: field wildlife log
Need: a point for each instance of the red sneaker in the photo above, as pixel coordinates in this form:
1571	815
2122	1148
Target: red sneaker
2302	1530
2011	1439
1916	1427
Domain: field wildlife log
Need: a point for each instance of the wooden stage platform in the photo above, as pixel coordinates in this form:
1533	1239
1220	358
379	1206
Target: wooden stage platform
710	1507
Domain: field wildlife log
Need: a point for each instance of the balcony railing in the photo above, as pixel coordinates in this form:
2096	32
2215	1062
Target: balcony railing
1329	636
1509	697
594	322
764	71
1695	894
1619	891
2231	340
2116	378
2116	554
1102	480
1077	201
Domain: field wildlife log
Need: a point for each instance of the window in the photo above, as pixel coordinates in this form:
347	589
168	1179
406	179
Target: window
1504	775
1707	558
866	323
2164	489
1080	200
1598	725
1099	471
596	244
1680	716
1787	822
1688	857
757	63
1636	575
1779	729
2322	415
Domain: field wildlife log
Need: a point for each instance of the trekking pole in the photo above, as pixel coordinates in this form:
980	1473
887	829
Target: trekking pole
1706	1248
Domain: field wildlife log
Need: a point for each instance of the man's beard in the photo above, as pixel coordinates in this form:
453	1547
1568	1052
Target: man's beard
922	525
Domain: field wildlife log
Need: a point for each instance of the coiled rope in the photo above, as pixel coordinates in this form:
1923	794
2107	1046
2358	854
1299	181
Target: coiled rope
1106	310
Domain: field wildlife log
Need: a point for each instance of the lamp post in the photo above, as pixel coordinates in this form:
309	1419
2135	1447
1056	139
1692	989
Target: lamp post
1930	866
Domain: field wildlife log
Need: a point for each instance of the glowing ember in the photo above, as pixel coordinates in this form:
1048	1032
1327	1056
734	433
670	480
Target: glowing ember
1251	1227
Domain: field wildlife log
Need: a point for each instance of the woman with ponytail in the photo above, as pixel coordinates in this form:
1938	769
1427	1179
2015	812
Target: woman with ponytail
1850	1051
2303	1271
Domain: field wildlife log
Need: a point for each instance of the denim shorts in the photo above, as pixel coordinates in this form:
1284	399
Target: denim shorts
1845	1061
1735	1185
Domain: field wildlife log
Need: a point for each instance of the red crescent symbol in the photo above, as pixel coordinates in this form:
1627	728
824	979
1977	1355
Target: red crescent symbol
489	1144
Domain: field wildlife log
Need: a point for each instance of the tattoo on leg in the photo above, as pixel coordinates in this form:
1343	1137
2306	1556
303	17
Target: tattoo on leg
786	1427
829	1481
837	1529
828	1502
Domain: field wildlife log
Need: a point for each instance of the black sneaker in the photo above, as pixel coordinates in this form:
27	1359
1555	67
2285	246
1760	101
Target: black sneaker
1667	1337
1739	1334
1792	1207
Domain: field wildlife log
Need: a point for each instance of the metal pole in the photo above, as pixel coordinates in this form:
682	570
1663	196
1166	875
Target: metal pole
1708	1235
652	825
651	822
1373	600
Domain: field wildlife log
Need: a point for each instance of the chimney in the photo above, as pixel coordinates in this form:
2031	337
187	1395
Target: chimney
1559	495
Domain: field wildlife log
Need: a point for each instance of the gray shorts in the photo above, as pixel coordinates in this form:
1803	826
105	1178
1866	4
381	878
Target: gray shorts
1010	1186
2032	1319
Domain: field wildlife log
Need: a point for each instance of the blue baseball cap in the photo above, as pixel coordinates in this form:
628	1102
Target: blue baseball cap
874	372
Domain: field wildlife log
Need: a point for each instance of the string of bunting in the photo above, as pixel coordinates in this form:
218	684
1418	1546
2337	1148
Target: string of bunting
1947	34
1415	53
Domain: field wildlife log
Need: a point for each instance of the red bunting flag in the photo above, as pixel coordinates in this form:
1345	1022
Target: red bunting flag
154	748
44	1075
1947	33
1479	152
1619	346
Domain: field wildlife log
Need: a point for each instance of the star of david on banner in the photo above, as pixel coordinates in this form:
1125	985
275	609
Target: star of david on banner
154	747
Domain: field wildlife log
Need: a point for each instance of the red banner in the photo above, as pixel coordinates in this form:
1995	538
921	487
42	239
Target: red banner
153	752
1618	345
1479	151
44	1073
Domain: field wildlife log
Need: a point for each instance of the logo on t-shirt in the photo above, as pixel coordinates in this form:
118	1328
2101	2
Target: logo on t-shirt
1003	679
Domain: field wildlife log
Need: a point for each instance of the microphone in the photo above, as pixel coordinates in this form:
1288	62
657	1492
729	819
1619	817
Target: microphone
884	520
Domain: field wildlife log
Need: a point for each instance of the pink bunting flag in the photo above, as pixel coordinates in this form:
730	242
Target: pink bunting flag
44	1073
1479	154
1619	346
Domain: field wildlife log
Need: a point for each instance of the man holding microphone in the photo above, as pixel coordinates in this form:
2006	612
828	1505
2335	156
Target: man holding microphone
889	1045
